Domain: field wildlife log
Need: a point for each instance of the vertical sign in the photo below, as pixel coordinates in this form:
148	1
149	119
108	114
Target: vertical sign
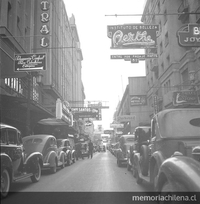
44	18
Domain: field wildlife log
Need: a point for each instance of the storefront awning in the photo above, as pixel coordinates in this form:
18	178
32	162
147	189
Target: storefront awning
52	121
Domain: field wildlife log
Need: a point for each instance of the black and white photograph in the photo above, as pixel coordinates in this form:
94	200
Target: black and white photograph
100	101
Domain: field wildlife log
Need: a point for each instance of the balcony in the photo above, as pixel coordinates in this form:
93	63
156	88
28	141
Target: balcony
183	11
198	15
154	65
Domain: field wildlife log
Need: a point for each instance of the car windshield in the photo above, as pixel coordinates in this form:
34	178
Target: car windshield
181	123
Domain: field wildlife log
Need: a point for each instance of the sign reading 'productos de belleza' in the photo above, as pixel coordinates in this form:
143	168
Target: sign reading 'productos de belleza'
132	36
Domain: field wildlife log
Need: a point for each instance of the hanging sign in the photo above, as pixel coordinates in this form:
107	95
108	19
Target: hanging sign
30	62
139	57
132	36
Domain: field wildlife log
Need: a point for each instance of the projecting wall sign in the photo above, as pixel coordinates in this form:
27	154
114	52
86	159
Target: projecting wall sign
44	18
132	36
189	36
30	62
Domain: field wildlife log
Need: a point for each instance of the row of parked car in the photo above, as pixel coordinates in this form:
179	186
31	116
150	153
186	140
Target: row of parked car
26	157
165	154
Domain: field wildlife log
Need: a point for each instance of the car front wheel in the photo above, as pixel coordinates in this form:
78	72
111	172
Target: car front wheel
5	183
37	174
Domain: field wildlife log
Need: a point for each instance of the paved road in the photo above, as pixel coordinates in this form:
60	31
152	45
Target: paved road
99	174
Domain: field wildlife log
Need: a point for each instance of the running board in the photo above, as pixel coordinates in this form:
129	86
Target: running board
24	176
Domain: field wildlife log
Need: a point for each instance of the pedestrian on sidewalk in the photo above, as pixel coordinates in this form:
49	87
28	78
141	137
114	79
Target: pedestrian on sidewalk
91	148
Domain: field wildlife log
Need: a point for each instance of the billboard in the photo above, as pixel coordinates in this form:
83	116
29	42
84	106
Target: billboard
132	36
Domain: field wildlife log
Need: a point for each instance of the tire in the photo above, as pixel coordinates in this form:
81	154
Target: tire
37	175
63	163
118	163
53	169
69	162
138	179
128	166
155	173
5	183
144	160
134	172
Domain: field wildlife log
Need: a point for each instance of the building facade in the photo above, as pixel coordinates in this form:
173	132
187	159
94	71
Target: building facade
36	26
177	68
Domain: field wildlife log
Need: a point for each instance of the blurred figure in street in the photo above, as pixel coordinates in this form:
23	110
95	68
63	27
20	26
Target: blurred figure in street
78	151
91	148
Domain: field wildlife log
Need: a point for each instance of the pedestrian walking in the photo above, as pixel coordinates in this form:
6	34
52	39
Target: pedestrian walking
91	148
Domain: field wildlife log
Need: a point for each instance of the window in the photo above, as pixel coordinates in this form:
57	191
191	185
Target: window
166	39
185	77
3	136
12	136
162	67
165	16
9	16
161	48
168	60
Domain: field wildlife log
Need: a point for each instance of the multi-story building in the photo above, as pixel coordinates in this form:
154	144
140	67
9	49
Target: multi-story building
176	70
36	26
177	66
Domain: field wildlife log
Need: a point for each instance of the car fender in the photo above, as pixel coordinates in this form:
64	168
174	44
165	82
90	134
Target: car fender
34	155
6	162
136	159
119	153
61	155
180	169
51	158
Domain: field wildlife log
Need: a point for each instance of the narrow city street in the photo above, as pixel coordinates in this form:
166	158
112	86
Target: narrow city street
99	174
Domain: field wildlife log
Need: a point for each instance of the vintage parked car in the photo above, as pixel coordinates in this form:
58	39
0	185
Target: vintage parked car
115	149
180	173
16	162
125	141
47	146
142	137
172	131
70	154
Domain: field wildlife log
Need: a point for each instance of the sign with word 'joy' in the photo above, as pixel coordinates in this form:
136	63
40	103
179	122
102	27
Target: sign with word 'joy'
189	36
132	36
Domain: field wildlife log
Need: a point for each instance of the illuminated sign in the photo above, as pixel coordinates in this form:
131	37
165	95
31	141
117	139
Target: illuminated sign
30	62
189	36
130	36
44	18
63	112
